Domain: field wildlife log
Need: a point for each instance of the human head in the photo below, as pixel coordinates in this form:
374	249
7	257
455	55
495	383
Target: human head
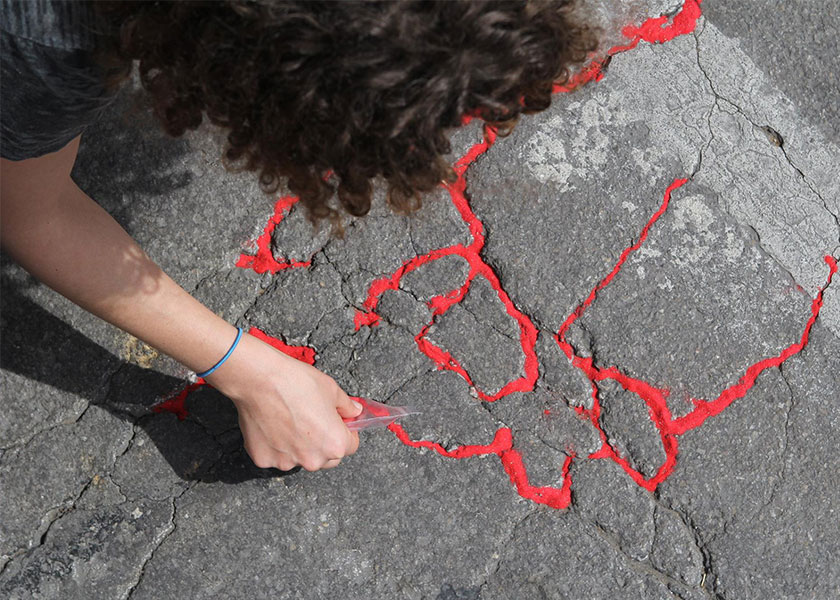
357	88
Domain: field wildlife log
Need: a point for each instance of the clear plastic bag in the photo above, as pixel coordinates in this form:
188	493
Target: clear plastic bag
376	414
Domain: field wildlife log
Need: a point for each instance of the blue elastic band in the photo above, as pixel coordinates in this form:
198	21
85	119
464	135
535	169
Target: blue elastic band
224	358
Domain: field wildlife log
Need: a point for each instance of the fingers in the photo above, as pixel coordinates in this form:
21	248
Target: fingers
269	459
317	465
347	408
266	458
285	463
320	445
352	442
331	463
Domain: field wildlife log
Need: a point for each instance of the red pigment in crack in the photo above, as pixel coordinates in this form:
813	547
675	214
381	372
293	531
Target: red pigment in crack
471	253
177	404
502	446
662	29
656	398
703	409
264	261
302	353
655	30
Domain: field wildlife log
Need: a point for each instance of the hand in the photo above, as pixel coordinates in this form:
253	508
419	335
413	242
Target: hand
290	413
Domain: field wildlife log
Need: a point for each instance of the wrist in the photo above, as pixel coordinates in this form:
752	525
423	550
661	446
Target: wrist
221	361
234	377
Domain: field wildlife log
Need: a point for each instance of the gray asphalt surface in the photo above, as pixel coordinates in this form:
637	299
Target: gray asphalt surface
680	441
797	45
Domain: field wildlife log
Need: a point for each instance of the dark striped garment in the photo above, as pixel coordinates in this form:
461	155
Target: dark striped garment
50	86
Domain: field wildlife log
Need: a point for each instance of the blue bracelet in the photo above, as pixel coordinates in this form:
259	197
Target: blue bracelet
224	358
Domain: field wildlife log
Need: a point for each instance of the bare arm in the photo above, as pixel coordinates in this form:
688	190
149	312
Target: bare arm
289	412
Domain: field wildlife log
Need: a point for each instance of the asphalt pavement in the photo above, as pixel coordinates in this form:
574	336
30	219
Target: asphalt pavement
619	325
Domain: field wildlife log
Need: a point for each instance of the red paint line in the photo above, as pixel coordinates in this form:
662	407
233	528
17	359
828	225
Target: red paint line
621	260
177	403
550	496
442	303
660	30
502	442
709	408
302	353
264	261
656	30
656	398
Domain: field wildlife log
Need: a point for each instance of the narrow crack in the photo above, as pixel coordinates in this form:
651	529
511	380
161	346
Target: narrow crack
67	506
24	443
768	130
405	383
769	253
52	516
705	148
810	185
160	539
203	280
709	579
496	557
642	567
490	324
783	467
21	444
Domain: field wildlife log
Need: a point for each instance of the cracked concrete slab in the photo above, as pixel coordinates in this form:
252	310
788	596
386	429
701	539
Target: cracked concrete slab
625	392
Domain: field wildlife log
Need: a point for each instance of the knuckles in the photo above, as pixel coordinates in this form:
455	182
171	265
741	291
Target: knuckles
334	449
286	465
269	462
312	465
262	462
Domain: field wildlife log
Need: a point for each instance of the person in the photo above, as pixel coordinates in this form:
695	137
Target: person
359	89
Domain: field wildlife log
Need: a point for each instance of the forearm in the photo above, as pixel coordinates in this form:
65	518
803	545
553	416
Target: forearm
289	412
79	250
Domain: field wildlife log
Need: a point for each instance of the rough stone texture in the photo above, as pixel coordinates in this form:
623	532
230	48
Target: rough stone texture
101	497
545	545
796	523
328	535
44	478
694	347
806	73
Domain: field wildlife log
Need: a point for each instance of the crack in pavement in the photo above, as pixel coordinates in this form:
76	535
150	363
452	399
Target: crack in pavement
654	30
641	567
496	557
503	445
160	539
22	444
775	138
783	466
64	508
688	525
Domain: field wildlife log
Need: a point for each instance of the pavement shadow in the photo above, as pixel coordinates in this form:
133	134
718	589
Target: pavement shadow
126	155
206	446
125	161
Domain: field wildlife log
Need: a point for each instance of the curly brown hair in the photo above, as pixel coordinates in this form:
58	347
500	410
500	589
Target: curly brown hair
356	88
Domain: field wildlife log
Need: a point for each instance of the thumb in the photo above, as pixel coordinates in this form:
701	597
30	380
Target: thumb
348	408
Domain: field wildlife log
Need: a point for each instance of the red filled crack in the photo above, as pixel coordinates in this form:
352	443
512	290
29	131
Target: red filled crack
655	30
471	253
656	398
177	404
264	260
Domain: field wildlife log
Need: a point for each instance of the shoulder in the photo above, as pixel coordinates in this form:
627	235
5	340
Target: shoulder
51	86
55	24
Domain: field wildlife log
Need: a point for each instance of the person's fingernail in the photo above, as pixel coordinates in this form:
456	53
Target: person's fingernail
359	406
